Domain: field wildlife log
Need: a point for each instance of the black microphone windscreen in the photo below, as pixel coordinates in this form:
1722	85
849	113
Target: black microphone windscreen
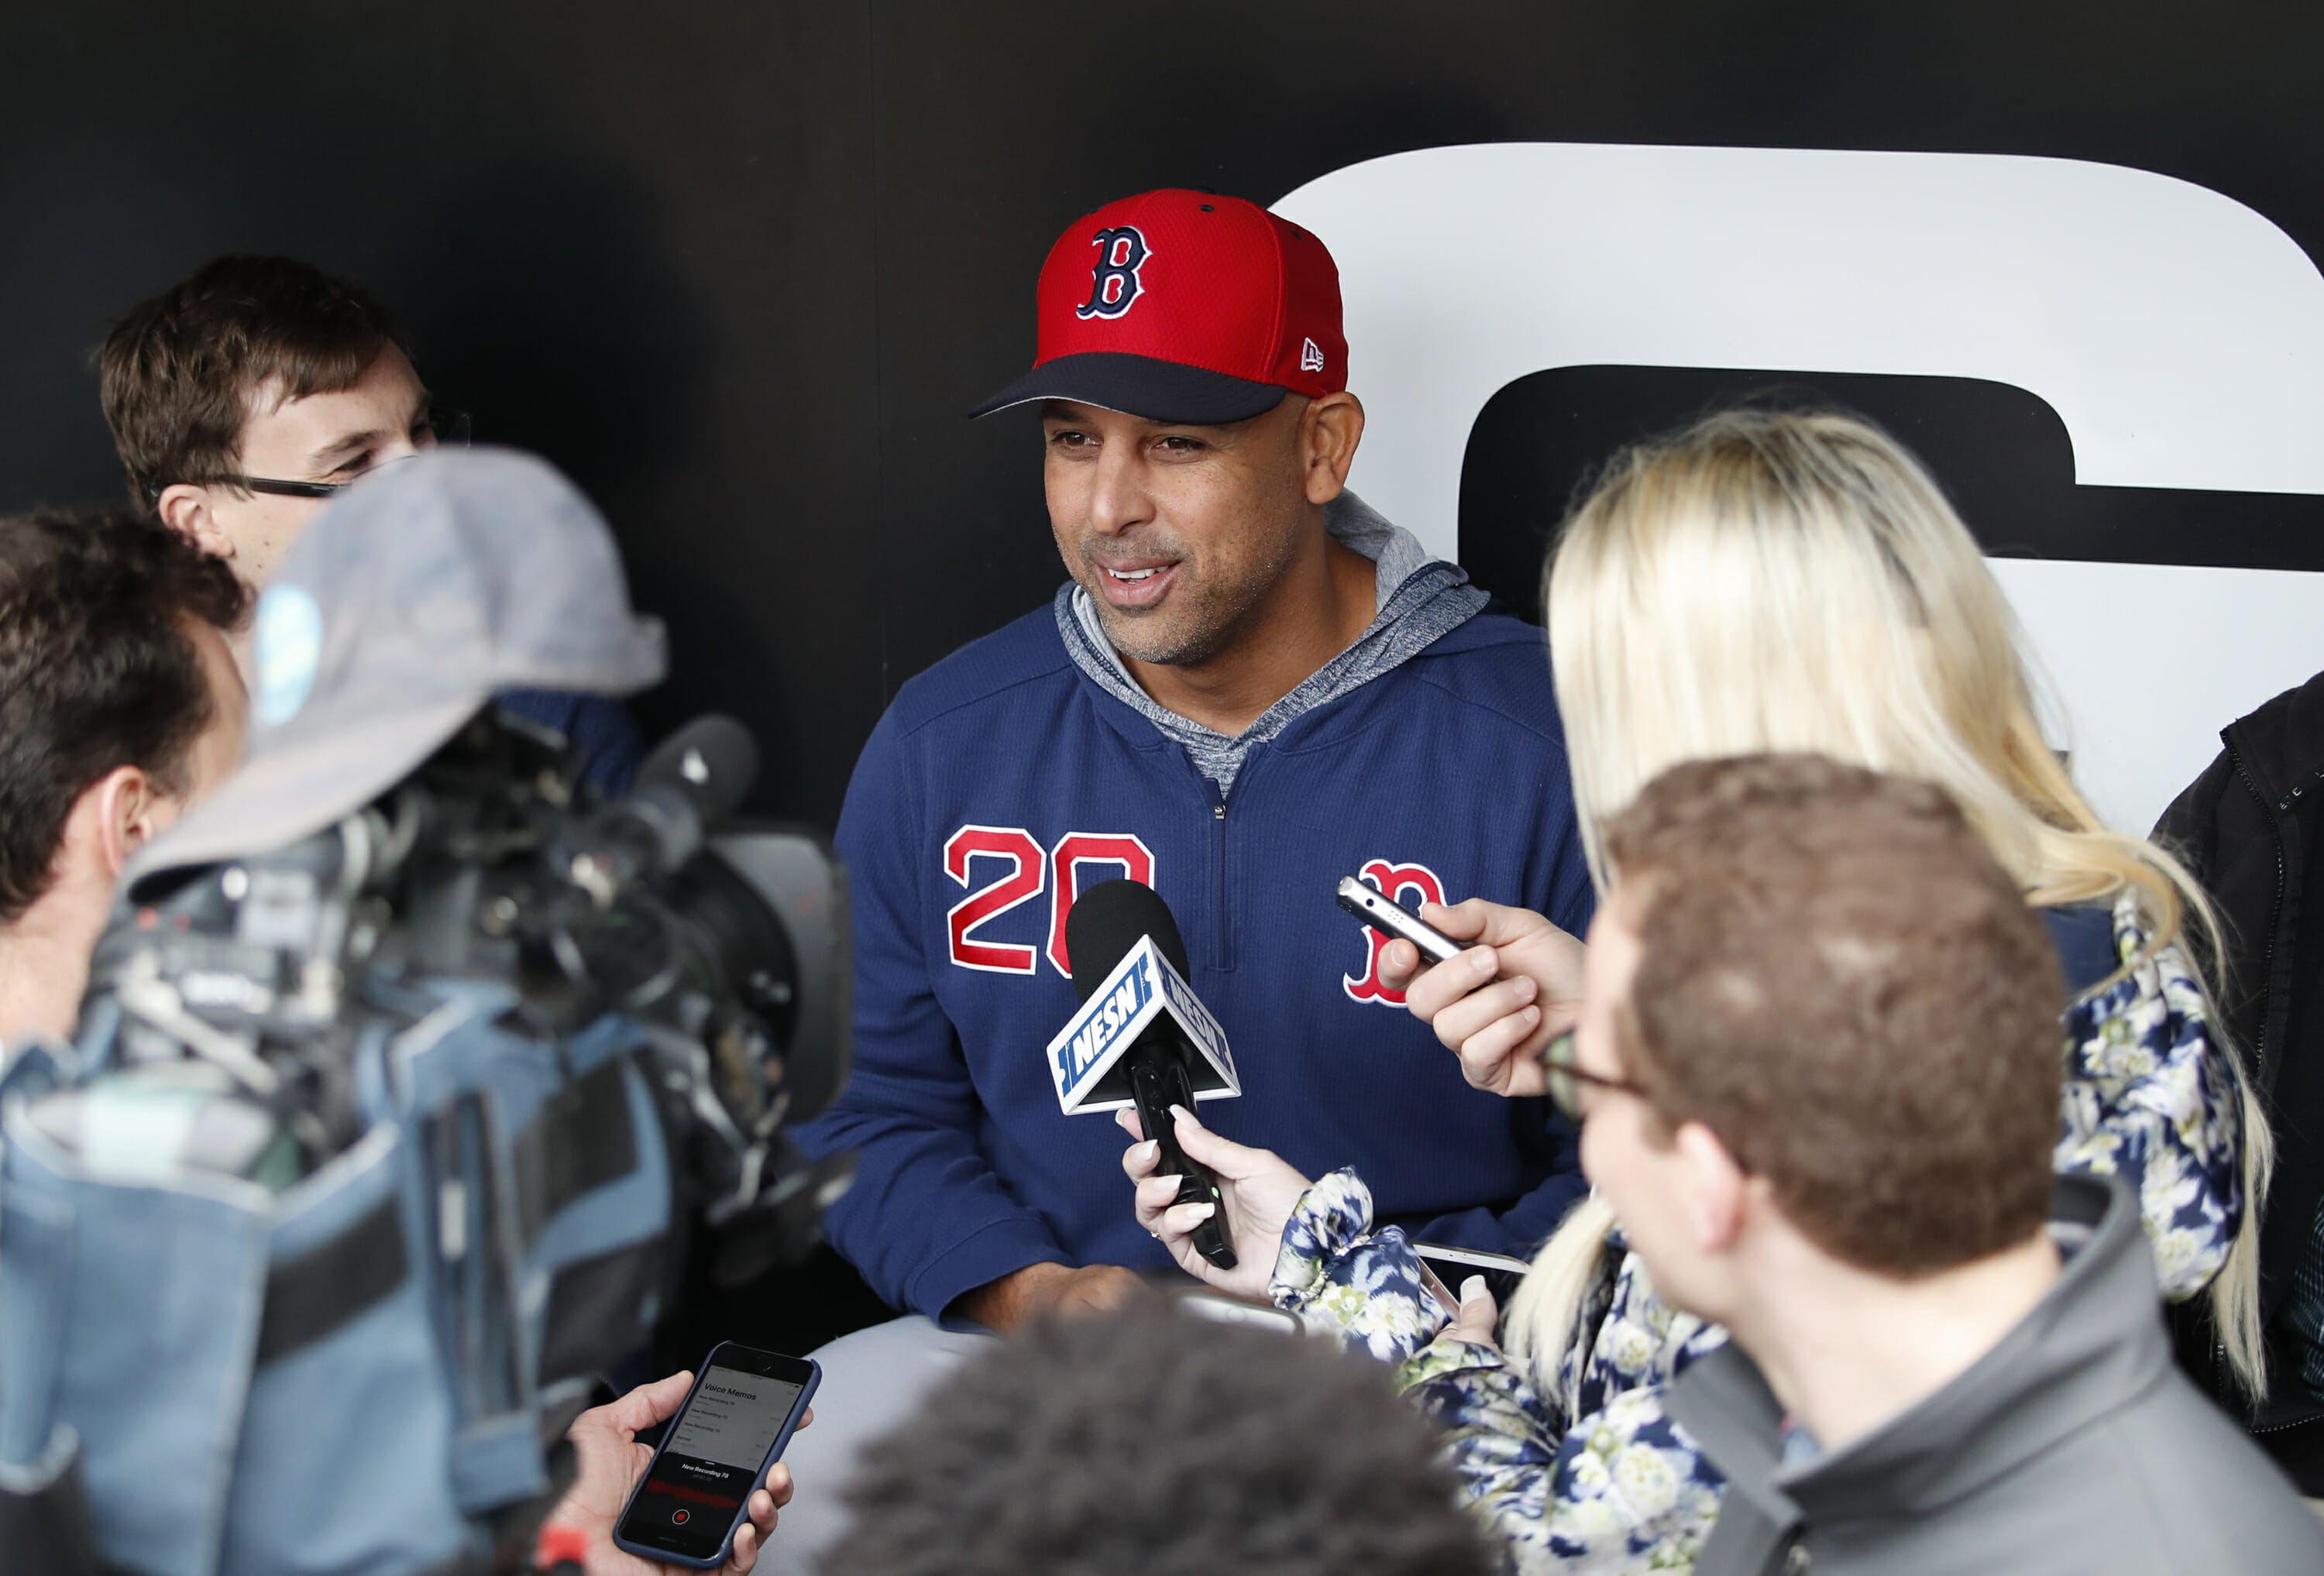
1106	921
712	760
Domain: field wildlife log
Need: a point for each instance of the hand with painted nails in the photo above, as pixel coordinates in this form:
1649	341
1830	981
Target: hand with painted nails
1500	1003
1479	1316
1258	1191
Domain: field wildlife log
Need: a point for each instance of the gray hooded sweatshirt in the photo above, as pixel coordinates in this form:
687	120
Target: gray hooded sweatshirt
1419	601
2075	1446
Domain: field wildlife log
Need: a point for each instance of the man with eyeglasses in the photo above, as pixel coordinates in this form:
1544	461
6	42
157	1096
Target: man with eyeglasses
1817	1074
243	399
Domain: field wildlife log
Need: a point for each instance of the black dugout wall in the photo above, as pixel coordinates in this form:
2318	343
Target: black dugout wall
740	268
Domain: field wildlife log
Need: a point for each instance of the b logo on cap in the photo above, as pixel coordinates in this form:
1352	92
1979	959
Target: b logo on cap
1114	282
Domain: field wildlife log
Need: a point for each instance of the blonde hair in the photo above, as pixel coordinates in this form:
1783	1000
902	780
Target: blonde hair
1770	581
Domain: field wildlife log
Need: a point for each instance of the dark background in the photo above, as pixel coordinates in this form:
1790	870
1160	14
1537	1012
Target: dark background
740	268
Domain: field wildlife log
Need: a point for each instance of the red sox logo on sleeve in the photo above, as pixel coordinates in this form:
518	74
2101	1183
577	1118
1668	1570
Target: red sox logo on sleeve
1396	880
1018	869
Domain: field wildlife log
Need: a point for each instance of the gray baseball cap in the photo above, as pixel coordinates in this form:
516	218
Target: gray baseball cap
409	603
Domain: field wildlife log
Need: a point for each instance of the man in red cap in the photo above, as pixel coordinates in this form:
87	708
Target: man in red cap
1252	686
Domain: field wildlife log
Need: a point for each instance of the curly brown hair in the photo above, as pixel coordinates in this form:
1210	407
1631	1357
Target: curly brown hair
1149	1442
96	670
1840	981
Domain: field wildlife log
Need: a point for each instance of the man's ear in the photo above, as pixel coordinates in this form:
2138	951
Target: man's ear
131	812
1716	1187
186	509
1335	426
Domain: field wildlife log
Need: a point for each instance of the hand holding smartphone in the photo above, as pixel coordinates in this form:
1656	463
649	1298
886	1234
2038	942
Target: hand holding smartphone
742	1410
1453	1266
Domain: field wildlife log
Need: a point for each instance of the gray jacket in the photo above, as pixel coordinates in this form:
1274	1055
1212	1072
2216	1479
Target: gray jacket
2074	1445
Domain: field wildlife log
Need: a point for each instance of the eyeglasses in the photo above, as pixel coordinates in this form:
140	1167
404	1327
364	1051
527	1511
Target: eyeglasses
444	429
1566	1078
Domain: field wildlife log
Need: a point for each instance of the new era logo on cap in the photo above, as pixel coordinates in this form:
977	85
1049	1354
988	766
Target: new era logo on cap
1184	306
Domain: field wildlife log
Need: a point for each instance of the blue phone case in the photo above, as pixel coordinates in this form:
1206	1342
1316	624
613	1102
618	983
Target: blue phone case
774	1454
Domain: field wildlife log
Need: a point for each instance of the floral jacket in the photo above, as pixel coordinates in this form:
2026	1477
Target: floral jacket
1595	1476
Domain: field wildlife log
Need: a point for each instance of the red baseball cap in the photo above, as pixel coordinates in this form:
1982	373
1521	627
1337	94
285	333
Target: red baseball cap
1184	306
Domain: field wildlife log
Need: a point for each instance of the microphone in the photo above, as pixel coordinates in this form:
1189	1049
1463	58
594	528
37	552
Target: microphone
1142	1038
693	780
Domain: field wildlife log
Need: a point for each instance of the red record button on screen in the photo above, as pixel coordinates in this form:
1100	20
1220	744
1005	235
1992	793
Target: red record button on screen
681	1517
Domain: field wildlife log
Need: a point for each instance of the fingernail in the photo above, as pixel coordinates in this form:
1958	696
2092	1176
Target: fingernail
1149	1149
1203	1211
1180	1110
1526	987
1472	1288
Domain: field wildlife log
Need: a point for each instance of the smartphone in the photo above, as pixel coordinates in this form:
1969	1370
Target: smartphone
1454	1264
1222	1310
715	1454
1368	903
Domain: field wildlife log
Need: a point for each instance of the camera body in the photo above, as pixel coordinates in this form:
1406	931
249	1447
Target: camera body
374	1150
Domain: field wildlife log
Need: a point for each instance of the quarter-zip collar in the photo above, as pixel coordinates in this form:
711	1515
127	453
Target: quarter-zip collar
2092	1345
1420	600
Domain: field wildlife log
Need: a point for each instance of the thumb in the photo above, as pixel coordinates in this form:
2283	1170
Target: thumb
1479	1312
649	1404
1464	922
1229	1159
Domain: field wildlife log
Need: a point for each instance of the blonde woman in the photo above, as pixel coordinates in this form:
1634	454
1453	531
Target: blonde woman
1761	582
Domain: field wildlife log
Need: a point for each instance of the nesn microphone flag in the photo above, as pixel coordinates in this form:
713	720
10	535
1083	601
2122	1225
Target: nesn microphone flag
1085	1059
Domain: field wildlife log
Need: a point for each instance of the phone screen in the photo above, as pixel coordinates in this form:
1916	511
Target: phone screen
709	1460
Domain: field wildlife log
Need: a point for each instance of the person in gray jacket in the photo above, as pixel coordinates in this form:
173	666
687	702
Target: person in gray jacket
1817	1073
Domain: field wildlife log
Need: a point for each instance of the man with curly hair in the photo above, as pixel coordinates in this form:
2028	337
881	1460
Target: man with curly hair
1150	1441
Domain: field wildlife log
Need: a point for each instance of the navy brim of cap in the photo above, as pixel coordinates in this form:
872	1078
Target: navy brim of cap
1140	385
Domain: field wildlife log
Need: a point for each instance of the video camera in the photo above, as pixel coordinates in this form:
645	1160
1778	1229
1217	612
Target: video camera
376	1149
727	946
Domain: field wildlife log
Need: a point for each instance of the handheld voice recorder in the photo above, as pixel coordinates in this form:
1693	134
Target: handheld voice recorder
1391	918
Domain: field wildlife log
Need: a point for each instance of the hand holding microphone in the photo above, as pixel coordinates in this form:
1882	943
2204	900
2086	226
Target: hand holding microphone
1258	1191
1142	1039
1500	1003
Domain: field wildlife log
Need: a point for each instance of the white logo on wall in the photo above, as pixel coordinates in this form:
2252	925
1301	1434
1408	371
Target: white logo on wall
2175	331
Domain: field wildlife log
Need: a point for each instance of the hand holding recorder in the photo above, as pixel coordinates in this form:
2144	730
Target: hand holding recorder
609	1463
1517	987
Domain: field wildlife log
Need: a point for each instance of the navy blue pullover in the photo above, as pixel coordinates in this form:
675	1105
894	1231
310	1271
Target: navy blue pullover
1005	772
599	727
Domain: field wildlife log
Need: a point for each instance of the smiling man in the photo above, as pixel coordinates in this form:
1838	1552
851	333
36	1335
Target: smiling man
245	398
1252	686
